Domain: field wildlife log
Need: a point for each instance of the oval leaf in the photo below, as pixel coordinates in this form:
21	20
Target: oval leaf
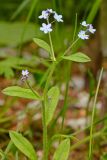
78	57
20	92
62	151
42	44
53	97
23	145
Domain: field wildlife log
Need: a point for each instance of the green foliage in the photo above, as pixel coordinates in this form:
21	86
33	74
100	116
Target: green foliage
3	155
10	33
42	44
93	11
17	33
20	92
77	57
104	156
52	100
23	145
62	151
20	8
7	65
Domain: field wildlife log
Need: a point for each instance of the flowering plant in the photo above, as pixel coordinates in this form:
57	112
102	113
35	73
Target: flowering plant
50	96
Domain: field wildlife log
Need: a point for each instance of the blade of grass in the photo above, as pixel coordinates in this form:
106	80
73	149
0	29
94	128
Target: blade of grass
65	106
8	148
94	11
93	114
26	22
75	27
78	144
20	8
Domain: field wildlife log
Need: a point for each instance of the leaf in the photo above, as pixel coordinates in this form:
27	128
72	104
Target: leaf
10	33
78	57
53	97
42	44
62	151
23	145
20	92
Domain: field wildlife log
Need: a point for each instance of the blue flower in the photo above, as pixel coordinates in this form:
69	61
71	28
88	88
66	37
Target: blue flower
44	15
46	28
25	72
91	29
57	17
82	34
84	24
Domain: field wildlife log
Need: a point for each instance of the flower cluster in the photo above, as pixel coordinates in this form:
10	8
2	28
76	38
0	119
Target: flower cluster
25	75
89	29
47	27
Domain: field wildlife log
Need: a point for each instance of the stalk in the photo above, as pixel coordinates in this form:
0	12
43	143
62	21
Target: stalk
51	46
70	47
45	134
93	114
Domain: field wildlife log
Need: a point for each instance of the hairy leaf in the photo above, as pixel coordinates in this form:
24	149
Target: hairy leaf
62	151
20	92
78	57
53	97
42	44
23	145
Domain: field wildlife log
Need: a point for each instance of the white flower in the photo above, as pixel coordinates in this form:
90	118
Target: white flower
49	10
84	24
58	17
83	35
91	29
25	72
46	28
44	15
25	75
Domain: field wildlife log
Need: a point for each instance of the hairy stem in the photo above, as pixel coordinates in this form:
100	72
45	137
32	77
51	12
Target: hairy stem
45	134
51	46
70	47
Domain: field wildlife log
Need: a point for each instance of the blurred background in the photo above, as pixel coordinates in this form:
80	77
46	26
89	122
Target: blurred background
19	24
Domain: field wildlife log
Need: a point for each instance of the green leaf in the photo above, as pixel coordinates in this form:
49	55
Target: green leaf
23	145
78	57
104	156
62	151
20	92
42	44
53	97
10	33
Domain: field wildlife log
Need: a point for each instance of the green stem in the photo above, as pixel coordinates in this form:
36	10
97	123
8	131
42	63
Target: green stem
45	141
45	134
8	148
36	94
98	134
51	46
64	108
75	27
79	142
93	114
69	48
